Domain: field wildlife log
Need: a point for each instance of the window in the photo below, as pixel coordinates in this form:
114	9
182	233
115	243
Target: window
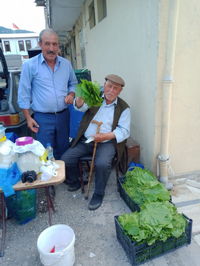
102	11
28	45
92	15
7	46
21	46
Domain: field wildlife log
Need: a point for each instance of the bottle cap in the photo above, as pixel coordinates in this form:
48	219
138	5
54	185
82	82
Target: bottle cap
24	141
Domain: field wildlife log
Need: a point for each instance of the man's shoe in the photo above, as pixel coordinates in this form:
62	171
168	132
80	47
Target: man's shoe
52	192
96	201
74	186
67	182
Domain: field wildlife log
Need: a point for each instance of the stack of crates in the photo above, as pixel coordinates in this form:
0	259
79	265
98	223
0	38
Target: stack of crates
82	74
76	116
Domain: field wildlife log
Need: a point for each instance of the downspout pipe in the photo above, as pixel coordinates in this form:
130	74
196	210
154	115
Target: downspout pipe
164	157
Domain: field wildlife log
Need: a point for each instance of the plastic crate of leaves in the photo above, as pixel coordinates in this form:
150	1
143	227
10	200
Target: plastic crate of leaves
141	253
127	199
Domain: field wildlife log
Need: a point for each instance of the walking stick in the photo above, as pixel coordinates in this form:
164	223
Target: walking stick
94	151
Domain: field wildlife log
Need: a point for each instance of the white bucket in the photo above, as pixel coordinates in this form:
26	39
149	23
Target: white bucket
57	235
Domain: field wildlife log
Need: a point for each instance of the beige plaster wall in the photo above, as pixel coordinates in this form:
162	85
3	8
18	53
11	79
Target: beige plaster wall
126	43
184	143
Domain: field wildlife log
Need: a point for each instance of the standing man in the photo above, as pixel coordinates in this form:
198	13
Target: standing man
111	140
47	85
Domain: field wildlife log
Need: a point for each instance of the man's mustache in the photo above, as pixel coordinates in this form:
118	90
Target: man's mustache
109	93
51	52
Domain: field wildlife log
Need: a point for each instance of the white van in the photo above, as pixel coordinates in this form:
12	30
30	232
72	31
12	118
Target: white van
13	61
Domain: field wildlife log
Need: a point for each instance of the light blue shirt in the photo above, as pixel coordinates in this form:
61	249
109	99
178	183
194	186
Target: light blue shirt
105	114
46	89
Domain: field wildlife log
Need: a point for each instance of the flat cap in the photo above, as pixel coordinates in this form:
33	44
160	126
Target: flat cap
116	79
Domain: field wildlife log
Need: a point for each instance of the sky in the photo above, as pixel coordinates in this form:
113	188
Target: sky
23	13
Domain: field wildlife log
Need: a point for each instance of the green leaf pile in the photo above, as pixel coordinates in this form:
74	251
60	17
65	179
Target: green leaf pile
156	221
142	186
90	92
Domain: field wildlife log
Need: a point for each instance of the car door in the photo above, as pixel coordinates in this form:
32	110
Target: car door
4	75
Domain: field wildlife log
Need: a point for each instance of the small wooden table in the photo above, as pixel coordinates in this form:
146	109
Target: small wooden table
55	180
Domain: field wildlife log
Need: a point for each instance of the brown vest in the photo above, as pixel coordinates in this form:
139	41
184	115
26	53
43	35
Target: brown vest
88	116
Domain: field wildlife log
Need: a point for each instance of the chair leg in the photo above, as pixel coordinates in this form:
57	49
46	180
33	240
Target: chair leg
88	165
81	176
117	174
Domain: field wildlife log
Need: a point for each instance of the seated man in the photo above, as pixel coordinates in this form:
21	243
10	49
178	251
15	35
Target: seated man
115	116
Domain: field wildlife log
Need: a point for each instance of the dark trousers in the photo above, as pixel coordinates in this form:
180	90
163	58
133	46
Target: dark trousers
54	129
103	162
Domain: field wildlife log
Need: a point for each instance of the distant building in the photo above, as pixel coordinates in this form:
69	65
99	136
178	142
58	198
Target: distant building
18	43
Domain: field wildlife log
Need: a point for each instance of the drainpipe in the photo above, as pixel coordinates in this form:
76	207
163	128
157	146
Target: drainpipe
164	157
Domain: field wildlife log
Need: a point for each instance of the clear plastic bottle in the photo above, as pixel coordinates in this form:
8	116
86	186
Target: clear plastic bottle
50	152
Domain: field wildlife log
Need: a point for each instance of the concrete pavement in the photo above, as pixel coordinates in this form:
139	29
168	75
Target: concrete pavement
95	230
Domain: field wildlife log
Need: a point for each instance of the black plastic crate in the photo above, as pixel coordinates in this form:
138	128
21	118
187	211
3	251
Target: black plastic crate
83	75
141	253
127	199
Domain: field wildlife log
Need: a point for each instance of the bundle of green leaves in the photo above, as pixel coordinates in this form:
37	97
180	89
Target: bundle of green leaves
142	186
90	92
156	221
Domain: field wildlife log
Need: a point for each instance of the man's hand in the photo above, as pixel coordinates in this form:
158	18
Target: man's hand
103	136
69	99
79	102
31	123
99	137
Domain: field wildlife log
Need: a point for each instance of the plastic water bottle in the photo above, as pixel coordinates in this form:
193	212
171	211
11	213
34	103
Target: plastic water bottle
50	152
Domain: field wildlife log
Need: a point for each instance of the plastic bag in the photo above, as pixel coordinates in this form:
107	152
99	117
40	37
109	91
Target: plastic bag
133	165
8	178
22	206
48	170
43	158
36	147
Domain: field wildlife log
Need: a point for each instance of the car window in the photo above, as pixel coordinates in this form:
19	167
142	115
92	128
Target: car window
3	81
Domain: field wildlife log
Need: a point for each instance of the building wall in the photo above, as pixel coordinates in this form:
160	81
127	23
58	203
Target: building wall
126	43
14	45
184	140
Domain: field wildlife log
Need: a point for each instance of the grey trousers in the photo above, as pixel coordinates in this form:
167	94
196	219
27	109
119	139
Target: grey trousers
105	152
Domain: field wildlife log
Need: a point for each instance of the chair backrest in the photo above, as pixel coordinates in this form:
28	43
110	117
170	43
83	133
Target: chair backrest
75	119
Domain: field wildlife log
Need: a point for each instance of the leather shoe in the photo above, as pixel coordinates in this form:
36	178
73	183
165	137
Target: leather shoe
52	192
67	182
74	186
96	201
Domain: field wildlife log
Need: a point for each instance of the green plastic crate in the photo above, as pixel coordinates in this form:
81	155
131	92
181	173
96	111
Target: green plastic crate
82	74
22	206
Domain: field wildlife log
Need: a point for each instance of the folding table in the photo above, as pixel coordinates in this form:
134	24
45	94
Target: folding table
55	180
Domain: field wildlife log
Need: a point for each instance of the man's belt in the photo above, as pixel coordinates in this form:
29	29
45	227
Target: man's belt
56	113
